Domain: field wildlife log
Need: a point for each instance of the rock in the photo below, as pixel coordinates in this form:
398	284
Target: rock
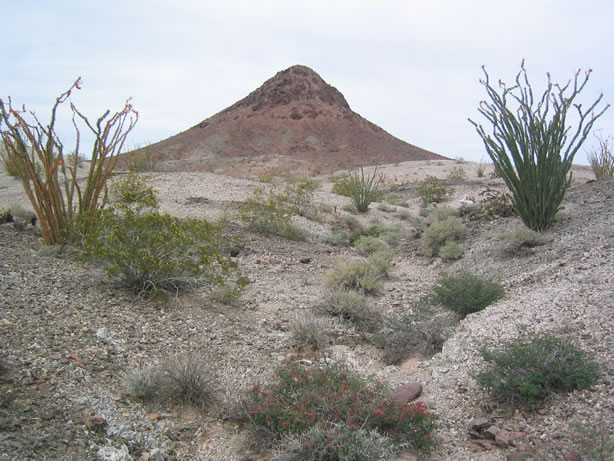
114	454
305	260
407	393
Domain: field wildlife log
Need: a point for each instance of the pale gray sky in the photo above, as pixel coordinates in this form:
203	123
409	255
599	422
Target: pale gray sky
409	66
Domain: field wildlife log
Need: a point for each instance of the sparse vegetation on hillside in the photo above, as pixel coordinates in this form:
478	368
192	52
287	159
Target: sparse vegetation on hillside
602	158
362	189
532	145
431	190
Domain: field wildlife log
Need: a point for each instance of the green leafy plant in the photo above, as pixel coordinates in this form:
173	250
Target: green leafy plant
153	253
431	190
465	293
302	398
270	213
363	189
451	250
439	233
458	173
49	176
602	158
356	275
528	370
532	145
300	195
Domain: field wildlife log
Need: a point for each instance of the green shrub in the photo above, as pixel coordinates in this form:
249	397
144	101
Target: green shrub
601	159
494	204
381	260
338	442
480	169
524	237
153	253
432	191
270	213
439	233
353	306
141	161
300	195
458	173
363	190
303	398
396	199
367	245
385	208
356	275
341	187
310	332
532	144
451	250
465	293
528	370
338	238
422	330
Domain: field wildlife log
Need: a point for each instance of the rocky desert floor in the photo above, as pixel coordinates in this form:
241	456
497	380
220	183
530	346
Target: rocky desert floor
68	337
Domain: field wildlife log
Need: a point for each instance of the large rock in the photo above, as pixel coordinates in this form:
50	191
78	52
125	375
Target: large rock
407	392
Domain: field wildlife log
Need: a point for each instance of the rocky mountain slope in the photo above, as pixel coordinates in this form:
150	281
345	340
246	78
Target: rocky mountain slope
294	120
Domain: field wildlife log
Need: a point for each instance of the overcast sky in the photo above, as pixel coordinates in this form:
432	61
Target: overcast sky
409	66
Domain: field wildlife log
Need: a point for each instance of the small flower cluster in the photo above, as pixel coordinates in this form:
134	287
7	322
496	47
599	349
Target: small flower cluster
307	397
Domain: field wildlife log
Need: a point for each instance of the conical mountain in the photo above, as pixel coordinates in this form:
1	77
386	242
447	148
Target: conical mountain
295	119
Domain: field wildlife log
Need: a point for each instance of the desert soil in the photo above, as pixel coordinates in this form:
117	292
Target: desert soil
68	336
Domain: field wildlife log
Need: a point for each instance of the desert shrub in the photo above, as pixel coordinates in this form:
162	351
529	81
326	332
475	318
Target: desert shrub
528	370
352	306
465	293
532	144
404	215
227	292
396	199
6	215
270	213
451	250
337	442
49	176
157	254
355	275
389	233
601	159
310	332
459	160
480	169
367	244
300	196
363	189
338	238
422	330
341	187
385	208
458	173
303	398
524	237
141	161
495	204
184	378
432	191
437	234
381	260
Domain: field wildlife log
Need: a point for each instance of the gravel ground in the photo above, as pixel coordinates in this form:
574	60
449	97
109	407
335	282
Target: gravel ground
67	336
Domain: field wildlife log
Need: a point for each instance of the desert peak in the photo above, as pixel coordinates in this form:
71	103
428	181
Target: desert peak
295	84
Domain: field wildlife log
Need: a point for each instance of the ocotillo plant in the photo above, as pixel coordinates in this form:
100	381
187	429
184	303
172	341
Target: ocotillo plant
532	144
49	175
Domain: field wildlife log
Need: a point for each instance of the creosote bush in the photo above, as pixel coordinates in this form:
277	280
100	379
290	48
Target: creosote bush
439	233
465	293
309	331
532	143
355	275
431	190
303	398
352	306
270	213
523	237
528	370
153	253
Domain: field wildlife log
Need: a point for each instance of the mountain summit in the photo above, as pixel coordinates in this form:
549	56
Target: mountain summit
294	120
